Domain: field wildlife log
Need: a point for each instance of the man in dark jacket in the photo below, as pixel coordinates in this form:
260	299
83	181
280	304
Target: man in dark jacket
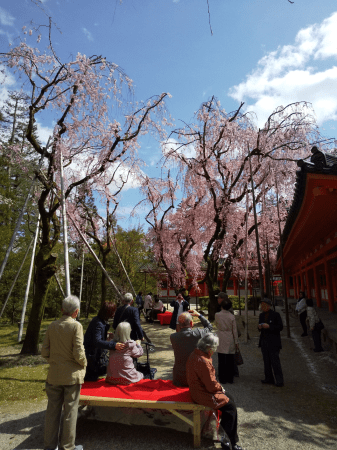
184	342
270	326
127	313
96	343
179	306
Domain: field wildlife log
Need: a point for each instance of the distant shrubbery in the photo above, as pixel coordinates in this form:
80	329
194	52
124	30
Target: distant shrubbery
203	302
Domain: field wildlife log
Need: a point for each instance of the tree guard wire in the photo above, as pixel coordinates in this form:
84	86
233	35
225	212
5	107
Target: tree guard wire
18	223
121	262
95	256
16	277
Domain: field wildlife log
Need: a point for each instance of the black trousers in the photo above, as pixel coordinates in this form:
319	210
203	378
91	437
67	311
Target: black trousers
303	317
229	420
225	368
316	335
272	363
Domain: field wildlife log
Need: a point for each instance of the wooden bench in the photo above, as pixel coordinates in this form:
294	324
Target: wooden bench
173	407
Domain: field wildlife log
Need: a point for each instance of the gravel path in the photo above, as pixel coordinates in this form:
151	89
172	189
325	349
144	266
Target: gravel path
301	415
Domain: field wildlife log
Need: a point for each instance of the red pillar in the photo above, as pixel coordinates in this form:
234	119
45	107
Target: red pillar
295	286
302	282
328	276
235	284
317	288
287	285
308	284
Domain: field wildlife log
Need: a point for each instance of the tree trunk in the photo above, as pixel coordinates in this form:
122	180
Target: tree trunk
45	270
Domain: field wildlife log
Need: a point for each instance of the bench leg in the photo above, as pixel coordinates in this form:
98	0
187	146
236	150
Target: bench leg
196	429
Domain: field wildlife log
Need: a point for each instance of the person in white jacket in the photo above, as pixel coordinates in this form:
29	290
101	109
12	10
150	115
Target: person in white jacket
301	309
314	321
228	342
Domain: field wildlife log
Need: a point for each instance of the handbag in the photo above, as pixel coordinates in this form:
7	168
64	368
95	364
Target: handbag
319	325
238	358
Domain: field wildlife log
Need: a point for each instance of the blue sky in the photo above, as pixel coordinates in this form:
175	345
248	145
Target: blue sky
263	52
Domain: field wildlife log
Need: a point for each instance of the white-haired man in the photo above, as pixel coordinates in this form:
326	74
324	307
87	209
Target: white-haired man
185	341
64	350
127	313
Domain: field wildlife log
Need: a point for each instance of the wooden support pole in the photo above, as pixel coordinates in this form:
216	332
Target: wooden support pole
256	230
282	262
59	285
65	230
317	288
81	283
246	274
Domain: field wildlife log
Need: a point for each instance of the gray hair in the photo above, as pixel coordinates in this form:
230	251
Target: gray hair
185	319
70	304
128	298
122	333
209	342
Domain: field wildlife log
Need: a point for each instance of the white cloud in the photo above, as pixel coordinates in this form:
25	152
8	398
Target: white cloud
8	35
172	145
83	164
295	73
88	34
6	81
44	133
6	18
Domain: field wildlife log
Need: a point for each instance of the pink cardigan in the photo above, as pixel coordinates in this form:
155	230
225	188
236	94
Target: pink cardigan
121	369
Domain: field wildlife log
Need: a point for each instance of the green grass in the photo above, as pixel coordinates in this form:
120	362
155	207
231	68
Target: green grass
20	384
22	377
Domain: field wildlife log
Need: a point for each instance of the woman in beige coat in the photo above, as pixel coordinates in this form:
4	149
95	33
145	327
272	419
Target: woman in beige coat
228	342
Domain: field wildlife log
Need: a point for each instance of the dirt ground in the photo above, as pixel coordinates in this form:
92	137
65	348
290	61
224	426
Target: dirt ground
301	415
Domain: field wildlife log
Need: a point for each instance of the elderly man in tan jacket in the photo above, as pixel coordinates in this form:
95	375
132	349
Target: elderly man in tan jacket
64	350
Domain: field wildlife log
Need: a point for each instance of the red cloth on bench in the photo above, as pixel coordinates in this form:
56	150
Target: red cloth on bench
165	318
156	390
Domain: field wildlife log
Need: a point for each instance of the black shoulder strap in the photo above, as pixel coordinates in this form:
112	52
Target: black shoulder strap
123	313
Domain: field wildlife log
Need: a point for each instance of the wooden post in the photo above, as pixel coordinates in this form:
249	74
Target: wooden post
317	288
23	313
81	283
65	231
256	230
246	274
329	285
282	262
288	286
308	283
302	282
59	285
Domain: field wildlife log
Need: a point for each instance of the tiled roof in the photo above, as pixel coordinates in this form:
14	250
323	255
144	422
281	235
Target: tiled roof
320	163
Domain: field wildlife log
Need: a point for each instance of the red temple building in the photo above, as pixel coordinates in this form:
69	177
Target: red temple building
310	234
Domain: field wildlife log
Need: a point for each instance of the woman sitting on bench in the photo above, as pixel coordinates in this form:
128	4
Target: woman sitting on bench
121	369
158	308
